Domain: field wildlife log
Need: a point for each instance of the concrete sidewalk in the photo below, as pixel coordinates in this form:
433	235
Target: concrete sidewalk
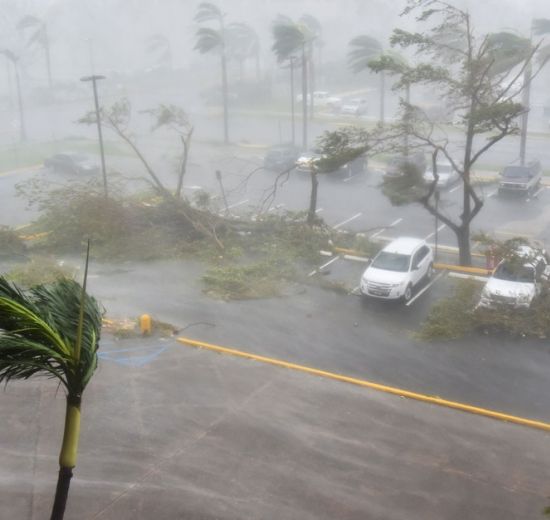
171	432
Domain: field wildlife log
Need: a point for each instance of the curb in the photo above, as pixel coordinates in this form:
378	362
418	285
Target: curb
539	425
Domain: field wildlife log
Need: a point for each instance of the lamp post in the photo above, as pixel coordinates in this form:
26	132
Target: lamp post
94	79
436	195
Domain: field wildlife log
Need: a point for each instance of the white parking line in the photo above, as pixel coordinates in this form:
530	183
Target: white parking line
454	189
443	226
492	194
538	191
416	296
357	215
352	177
278	206
237	204
318	210
193	187
393	224
469	277
315	271
355	291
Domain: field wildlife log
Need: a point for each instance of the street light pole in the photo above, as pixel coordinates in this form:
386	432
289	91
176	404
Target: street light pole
94	79
436	195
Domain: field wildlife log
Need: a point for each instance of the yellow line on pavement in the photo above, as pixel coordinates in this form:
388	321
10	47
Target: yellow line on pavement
21	169
369	384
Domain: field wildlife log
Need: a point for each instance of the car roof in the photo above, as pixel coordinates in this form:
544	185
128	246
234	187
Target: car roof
404	245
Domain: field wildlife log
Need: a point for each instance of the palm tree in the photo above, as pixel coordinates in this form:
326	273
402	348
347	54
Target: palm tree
244	43
214	40
291	39
314	28
13	58
53	331
365	49
159	46
39	36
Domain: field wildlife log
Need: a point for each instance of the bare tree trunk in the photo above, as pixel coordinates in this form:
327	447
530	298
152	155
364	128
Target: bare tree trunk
225	95
186	142
311	214
304	98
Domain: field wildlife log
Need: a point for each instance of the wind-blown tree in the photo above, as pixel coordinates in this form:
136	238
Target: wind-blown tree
211	40
339	148
14	59
363	50
291	39
467	70
315	42
53	331
38	35
243	44
160	48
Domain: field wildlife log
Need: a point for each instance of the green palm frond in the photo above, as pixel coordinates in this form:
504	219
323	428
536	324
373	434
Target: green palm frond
288	38
207	12
541	26
208	40
506	50
312	23
38	333
242	40
364	49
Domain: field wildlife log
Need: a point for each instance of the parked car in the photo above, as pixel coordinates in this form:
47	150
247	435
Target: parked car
397	269
517	280
398	165
322	98
281	157
520	179
354	107
447	175
75	163
307	160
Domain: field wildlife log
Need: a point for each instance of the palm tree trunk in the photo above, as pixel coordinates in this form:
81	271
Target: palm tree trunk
382	96
257	63
67	457
48	60
22	130
311	81
304	97
225	94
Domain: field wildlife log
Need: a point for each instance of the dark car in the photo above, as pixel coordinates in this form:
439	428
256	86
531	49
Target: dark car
307	160
520	179
74	163
281	157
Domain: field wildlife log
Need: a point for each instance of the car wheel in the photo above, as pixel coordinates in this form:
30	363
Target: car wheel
407	294
430	272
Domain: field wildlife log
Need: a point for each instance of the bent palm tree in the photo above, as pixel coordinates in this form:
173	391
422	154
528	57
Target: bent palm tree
315	30
14	58
52	330
243	43
291	39
40	37
213	40
365	49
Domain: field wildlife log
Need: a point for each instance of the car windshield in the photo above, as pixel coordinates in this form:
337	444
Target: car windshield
515	273
391	262
513	172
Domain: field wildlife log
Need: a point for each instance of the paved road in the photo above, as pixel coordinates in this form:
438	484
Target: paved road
191	434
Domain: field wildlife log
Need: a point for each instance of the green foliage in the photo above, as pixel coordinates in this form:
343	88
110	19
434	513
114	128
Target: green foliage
40	270
39	329
339	147
289	37
364	49
10	243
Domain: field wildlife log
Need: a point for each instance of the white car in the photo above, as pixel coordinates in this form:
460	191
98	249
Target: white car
354	107
322	99
397	269
447	175
517	280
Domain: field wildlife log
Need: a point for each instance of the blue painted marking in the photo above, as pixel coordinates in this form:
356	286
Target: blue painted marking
151	353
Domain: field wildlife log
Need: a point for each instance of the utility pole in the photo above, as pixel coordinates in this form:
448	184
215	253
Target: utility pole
94	79
292	100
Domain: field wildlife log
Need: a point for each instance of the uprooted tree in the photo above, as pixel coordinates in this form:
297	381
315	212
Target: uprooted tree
476	76
117	118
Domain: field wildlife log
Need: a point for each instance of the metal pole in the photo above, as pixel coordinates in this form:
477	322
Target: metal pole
436	194
292	110
94	80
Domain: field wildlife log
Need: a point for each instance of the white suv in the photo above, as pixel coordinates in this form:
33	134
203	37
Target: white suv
396	269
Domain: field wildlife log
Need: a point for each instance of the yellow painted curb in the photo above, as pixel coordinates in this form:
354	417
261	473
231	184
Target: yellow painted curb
35	236
463	269
348	251
369	384
21	169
